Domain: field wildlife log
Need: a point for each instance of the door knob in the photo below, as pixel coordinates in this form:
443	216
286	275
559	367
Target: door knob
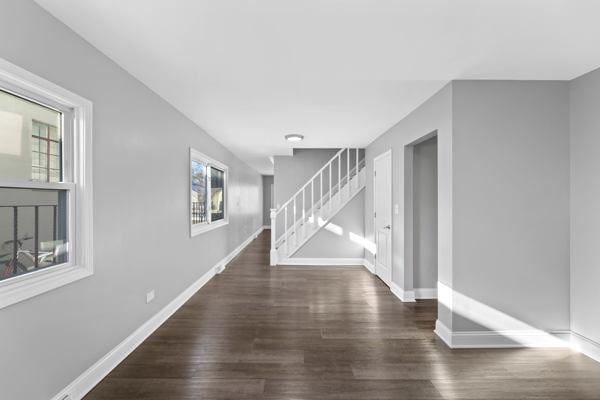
387	227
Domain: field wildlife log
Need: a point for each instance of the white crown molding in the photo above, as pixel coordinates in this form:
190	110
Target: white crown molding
77	389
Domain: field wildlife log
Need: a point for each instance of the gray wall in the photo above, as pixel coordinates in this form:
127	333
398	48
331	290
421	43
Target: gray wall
141	195
291	172
511	202
425	214
585	204
267	181
435	115
340	238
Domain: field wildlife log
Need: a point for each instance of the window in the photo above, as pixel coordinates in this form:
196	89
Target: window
45	152
45	186
208	182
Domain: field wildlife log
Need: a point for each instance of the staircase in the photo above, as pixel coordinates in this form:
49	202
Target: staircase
316	203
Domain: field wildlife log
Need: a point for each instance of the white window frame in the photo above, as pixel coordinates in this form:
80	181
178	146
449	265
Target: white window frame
197	229
77	177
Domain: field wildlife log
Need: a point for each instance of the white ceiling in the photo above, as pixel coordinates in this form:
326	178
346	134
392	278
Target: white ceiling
339	72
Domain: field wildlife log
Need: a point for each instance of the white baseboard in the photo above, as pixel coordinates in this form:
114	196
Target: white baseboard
585	346
502	339
322	261
406	296
425	293
443	332
369	266
266	226
77	389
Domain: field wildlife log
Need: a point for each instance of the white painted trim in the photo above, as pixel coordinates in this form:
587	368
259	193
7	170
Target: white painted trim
323	261
406	296
425	293
502	339
198	229
369	266
77	389
443	332
585	346
77	118
266	226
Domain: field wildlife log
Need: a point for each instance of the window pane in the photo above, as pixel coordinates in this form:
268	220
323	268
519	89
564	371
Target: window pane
54	162
18	251
217	194
53	132
198	193
20	120
55	148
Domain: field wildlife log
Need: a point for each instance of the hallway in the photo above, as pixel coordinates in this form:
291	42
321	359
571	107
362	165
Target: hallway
256	332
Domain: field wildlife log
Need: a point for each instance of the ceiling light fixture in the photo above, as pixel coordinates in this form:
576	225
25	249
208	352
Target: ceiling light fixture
294	137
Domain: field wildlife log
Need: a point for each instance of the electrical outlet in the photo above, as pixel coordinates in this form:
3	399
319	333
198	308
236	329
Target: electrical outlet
396	209
150	296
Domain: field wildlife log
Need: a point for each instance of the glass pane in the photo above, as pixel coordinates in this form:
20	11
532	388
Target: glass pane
54	175
41	217
55	148
198	193
35	144
54	162
35	160
217	194
53	133
20	120
43	160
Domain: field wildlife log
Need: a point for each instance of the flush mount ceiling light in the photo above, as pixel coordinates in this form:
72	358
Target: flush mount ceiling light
294	137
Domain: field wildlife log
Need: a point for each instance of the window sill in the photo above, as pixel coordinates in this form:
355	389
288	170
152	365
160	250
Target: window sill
198	229
20	288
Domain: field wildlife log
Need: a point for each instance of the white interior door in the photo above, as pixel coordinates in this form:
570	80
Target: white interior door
382	191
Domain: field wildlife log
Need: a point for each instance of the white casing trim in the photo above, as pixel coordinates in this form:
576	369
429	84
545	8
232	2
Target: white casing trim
406	296
425	293
322	261
77	389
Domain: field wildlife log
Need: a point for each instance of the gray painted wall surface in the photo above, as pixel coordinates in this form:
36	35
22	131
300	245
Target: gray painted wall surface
585	204
340	238
291	172
433	115
425	214
141	194
511	201
267	181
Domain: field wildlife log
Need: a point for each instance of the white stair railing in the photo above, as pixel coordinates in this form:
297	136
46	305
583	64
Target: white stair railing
328	192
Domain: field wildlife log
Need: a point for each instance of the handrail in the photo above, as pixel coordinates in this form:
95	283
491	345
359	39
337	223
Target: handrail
311	179
319	200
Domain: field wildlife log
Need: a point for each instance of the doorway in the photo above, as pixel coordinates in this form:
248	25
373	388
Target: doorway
423	226
382	200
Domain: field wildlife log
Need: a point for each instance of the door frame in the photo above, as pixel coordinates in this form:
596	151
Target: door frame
390	251
408	289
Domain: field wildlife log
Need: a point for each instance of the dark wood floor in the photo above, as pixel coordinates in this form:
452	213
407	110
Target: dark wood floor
256	332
